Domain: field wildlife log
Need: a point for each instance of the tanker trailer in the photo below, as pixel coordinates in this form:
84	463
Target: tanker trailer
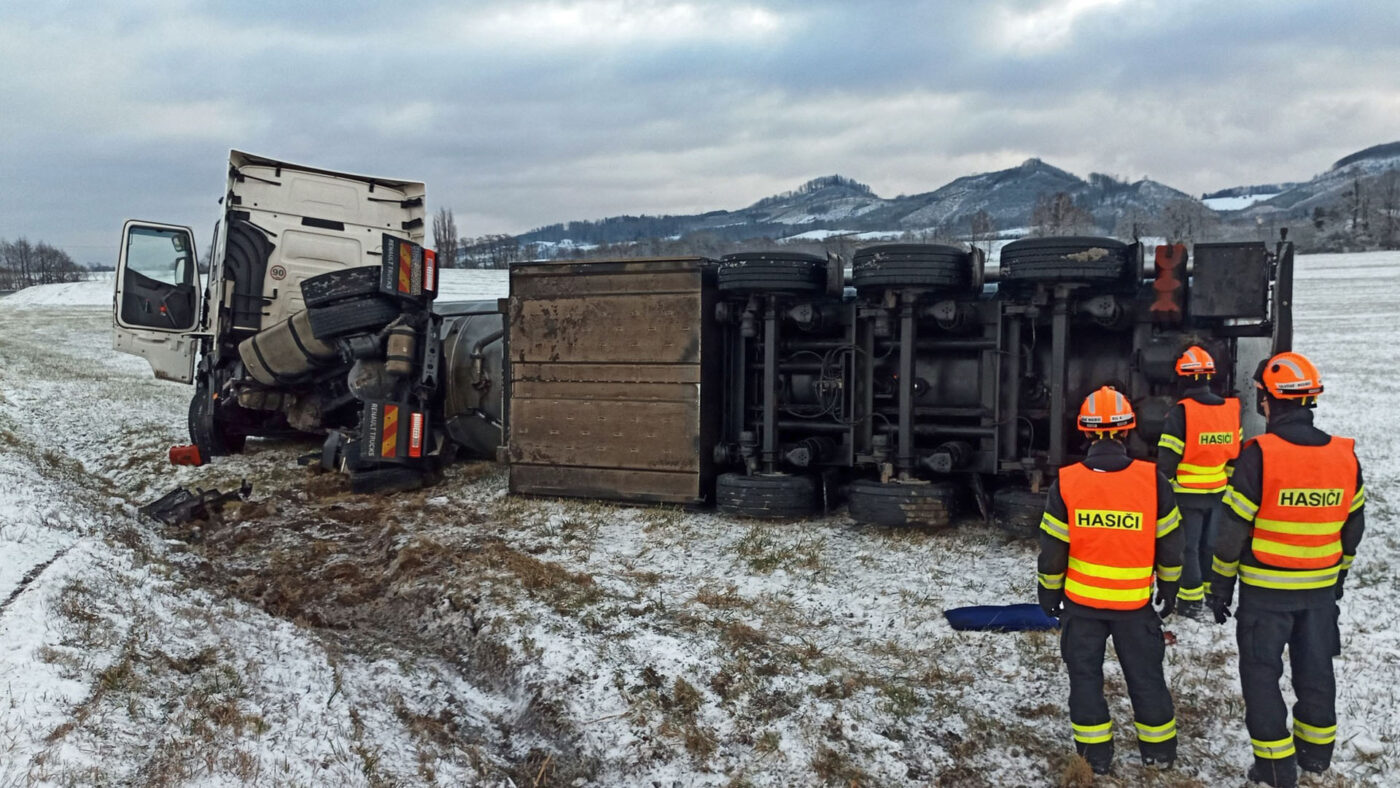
774	385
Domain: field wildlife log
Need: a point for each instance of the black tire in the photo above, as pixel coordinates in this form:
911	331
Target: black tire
381	481
340	285
352	316
213	437
1017	510
922	504
1068	259
912	265
772	272
766	496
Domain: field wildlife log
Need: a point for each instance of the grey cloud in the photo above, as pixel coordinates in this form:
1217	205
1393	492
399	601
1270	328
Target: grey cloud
514	131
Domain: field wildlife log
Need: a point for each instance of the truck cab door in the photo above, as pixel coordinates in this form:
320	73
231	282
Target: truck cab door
156	305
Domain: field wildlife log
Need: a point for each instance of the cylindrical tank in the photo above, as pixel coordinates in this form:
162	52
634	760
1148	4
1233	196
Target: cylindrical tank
472	351
283	353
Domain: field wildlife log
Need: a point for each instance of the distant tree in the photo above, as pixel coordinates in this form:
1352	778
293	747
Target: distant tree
1135	223
1187	221
984	230
23	264
1057	214
445	238
1386	199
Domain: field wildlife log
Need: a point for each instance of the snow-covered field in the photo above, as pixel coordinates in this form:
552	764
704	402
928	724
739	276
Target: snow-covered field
458	636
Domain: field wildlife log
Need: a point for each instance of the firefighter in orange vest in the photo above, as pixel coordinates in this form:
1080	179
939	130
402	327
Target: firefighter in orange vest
1200	440
1292	519
1109	521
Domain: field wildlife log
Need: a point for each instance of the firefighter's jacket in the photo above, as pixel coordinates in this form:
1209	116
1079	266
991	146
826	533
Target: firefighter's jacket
1291	517
1127	527
1200	440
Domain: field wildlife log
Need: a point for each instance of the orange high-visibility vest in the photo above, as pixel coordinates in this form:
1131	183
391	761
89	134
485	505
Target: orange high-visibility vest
1306	496
1212	439
1112	534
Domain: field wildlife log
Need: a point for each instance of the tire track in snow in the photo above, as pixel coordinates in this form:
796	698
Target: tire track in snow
30	577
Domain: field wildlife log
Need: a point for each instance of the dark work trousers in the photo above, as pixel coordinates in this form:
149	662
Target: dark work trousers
1312	639
1198	522
1137	637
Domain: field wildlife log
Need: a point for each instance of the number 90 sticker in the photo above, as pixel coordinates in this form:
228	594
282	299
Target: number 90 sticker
278	272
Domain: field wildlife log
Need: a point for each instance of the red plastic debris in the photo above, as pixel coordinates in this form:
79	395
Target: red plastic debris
187	454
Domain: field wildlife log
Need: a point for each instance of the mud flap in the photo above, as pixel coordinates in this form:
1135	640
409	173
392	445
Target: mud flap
393	432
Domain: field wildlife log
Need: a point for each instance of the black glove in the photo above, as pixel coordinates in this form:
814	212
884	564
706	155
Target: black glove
1218	605
1052	601
1341	581
1166	597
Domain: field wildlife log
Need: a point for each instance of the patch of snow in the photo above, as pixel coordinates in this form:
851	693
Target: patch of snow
1235	203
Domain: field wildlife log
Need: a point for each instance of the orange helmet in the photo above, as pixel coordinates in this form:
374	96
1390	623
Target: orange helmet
1106	413
1290	375
1195	362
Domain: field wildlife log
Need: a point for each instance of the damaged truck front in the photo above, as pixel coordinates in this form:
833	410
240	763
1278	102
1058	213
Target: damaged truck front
317	318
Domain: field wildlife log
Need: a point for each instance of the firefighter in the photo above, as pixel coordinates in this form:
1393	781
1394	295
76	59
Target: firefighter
1200	440
1108	521
1292	518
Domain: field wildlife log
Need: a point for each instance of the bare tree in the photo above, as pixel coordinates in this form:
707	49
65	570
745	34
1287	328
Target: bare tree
984	230
1188	221
1386	191
1056	214
445	238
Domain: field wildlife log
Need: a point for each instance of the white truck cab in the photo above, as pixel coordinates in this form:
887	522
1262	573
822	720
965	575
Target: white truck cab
282	223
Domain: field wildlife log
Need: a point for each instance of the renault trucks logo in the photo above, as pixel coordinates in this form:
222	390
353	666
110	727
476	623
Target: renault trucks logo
1108	518
1217	438
1310	497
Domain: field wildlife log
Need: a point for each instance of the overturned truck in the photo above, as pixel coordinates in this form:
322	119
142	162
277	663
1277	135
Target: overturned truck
912	382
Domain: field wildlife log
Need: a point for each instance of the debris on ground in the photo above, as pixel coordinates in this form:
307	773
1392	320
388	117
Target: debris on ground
182	506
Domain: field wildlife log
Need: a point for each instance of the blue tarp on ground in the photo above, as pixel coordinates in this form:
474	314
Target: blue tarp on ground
1000	618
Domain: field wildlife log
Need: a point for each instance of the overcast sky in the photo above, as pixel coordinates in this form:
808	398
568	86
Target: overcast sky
519	114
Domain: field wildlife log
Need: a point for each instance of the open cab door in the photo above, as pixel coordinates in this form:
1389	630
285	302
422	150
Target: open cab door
157	306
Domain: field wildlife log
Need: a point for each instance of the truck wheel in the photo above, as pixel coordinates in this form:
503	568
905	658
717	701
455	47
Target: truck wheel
1017	510
213	437
352	316
339	285
766	496
382	481
1068	259
772	272
925	504
912	265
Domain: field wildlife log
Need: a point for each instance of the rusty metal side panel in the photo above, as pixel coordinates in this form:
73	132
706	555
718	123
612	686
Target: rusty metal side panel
645	328
641	486
607	379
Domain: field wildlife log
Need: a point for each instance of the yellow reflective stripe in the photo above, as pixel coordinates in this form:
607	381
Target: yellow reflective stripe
1358	500
1292	527
1346	562
1191	594
1093	734
1222	568
1168	574
1190	467
1178	488
1052	582
1172	442
1272	547
1274	750
1054	527
1156	733
1166	524
1313	734
1244	507
1288	579
1110	572
1142	594
1205	587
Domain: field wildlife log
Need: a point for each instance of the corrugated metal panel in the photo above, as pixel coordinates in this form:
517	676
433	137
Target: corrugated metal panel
608	379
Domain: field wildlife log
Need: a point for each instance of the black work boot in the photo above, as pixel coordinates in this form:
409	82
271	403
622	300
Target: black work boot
1099	756
1314	758
1191	608
1279	772
1158	755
